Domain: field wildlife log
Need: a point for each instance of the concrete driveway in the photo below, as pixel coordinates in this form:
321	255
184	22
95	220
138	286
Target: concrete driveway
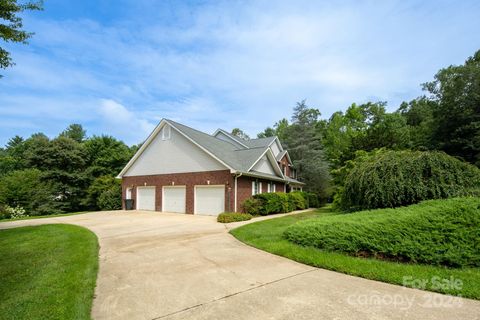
172	266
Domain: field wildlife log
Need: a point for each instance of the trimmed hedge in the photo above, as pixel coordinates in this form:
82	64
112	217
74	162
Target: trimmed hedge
228	217
279	202
390	179
437	232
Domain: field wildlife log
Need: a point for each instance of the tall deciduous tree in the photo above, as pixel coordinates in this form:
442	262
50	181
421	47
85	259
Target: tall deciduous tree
75	131
237	132
106	155
279	129
11	26
456	90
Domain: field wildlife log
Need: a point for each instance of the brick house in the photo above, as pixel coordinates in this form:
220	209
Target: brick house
180	169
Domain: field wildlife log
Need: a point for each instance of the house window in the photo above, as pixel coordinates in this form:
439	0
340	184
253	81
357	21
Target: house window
271	187
255	187
274	187
128	195
284	170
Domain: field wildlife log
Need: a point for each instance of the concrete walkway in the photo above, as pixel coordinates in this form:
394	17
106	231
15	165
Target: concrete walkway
172	266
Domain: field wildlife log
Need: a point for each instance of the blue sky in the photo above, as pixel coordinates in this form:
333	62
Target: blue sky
118	67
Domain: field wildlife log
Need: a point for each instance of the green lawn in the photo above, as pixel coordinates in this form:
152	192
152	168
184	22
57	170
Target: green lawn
45	216
268	235
47	272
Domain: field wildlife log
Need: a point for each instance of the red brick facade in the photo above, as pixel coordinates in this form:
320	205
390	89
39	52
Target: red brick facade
285	164
182	179
244	185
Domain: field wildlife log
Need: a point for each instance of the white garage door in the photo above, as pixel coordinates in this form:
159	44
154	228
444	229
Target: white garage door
146	198
173	199
209	200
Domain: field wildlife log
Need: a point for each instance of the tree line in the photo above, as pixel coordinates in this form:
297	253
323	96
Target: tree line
73	172
65	174
445	118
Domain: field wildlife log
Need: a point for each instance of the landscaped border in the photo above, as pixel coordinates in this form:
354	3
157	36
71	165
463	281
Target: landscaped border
45	216
268	236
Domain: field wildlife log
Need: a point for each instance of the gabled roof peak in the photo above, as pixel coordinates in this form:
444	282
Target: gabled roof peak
238	157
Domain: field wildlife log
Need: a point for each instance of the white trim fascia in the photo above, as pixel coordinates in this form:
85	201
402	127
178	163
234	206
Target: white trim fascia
231	136
288	156
278	141
260	176
274	162
237	175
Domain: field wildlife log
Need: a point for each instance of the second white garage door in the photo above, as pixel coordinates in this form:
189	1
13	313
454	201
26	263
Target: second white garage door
209	200
173	199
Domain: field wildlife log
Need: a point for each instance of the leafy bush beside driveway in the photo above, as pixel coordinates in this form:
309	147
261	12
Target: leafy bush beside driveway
279	202
438	232
268	235
228	217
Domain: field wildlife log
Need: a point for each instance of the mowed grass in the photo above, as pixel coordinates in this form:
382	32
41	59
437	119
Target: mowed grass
268	235
45	216
47	272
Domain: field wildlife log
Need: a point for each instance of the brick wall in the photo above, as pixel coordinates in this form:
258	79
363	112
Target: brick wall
244	185
187	179
284	162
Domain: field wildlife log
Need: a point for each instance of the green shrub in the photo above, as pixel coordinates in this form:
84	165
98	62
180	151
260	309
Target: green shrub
437	232
110	199
252	206
298	199
285	202
105	193
275	202
313	201
391	179
28	189
228	217
269	203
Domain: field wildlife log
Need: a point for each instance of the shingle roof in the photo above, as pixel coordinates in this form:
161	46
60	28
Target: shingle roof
238	158
261	142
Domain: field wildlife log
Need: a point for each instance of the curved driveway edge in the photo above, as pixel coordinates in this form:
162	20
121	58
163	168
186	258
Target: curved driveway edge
173	266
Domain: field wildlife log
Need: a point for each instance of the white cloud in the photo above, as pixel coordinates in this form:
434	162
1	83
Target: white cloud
230	64
118	120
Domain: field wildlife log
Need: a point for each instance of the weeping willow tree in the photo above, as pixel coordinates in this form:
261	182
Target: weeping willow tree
391	179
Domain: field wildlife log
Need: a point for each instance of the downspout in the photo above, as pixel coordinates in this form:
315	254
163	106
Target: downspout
236	176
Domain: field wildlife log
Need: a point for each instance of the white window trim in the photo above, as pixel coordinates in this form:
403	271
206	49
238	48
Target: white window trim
274	187
268	187
256	187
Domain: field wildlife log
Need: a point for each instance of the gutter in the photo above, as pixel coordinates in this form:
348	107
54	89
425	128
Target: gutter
238	175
